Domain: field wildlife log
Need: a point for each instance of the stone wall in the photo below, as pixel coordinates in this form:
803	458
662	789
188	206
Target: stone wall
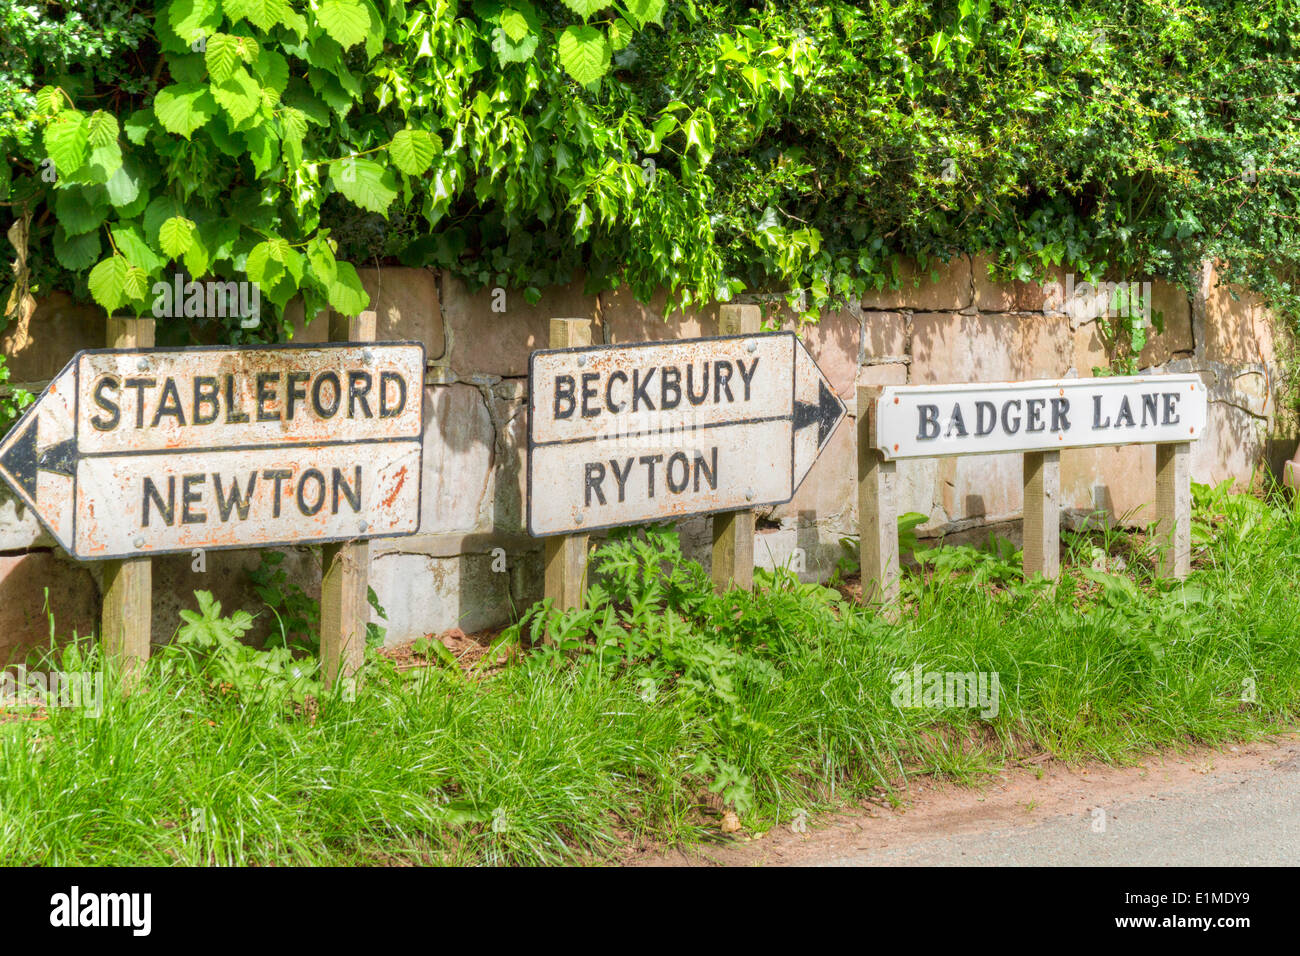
473	562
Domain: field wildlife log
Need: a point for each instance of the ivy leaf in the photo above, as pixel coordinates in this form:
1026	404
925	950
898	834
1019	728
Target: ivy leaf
412	151
584	53
223	56
508	51
107	282
347	296
585	8
76	252
101	128
184	107
370	185
239	95
65	142
345	20
176	235
375	32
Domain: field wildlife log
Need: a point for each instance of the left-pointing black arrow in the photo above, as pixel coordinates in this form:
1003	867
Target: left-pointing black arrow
22	460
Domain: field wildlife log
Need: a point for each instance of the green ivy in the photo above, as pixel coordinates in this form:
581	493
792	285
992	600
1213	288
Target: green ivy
702	146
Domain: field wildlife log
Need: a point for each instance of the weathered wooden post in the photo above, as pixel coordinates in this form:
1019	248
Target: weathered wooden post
1042	514
566	554
345	567
733	532
127	616
877	511
1174	508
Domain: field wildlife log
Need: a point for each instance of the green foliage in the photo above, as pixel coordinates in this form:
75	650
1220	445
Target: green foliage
297	615
569	755
705	146
12	401
209	646
653	620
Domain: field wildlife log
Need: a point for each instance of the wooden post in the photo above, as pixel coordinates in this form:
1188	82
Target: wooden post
733	532
1174	508
1042	521
127	616
566	554
877	518
345	568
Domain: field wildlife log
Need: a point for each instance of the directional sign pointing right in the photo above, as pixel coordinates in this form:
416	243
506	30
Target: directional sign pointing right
655	431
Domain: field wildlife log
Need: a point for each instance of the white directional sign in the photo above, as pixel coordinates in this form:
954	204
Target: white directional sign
149	451
930	421
656	431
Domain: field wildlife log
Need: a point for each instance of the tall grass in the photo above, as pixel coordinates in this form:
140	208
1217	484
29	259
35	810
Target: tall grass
661	704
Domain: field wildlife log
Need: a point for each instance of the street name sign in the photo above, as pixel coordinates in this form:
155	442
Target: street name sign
657	431
135	452
931	421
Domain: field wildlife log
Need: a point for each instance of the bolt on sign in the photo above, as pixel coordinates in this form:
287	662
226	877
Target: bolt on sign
150	451
656	431
931	421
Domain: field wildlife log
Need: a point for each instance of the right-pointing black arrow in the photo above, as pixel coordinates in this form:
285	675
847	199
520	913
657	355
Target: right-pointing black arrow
826	413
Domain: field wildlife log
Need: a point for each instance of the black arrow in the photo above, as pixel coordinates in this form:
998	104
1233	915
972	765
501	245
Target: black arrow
22	460
826	413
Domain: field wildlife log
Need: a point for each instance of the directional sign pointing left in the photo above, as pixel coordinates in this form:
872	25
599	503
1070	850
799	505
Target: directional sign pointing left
656	431
136	452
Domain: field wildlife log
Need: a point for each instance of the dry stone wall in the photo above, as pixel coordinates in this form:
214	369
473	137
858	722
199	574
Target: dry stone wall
473	562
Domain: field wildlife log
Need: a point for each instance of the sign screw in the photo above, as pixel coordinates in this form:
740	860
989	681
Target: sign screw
142	365
577	519
367	356
582	360
362	526
751	346
138	542
749	494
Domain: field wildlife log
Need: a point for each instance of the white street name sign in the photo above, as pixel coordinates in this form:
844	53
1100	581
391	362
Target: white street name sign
657	431
929	421
152	451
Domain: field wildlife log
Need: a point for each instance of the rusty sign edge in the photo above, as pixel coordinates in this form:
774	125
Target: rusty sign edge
71	366
283	543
